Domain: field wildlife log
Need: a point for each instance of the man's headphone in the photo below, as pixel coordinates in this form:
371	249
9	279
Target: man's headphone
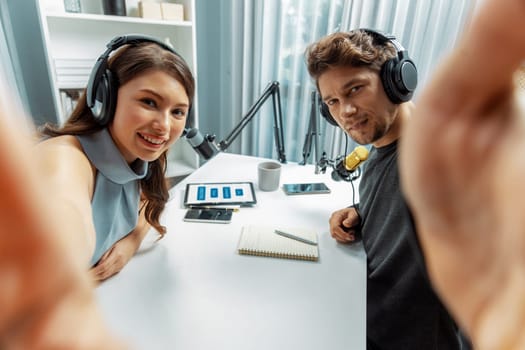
398	74
101	91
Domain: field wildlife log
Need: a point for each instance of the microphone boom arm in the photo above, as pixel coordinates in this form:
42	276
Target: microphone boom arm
312	135
271	90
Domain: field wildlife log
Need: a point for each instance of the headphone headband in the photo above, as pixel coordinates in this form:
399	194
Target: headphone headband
385	37
102	61
134	39
102	86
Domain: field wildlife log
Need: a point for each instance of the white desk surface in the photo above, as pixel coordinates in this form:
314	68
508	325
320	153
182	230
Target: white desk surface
192	290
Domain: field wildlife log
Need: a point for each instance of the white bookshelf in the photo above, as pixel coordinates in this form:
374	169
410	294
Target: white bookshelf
80	38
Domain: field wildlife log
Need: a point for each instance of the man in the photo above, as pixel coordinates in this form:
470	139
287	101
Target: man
356	75
463	166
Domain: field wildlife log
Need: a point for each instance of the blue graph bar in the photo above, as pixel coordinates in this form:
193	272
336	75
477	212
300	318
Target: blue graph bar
201	193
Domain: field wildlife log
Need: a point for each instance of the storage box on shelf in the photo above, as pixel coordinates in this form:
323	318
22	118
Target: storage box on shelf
173	12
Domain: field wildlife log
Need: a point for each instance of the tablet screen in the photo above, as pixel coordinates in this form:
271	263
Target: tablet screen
226	193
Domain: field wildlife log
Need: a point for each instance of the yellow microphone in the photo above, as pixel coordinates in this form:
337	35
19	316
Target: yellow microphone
354	159
349	164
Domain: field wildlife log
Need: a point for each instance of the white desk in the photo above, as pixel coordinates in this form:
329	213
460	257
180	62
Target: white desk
192	290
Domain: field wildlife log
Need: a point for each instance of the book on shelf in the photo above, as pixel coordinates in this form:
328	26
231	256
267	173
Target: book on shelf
263	240
73	80
74	62
73	72
68	71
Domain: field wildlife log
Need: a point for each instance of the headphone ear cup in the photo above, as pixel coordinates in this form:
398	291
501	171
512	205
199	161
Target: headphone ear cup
399	78
405	74
325	113
387	78
105	98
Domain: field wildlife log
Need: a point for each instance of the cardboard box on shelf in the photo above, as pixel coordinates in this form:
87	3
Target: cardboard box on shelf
149	9
173	12
72	6
54	5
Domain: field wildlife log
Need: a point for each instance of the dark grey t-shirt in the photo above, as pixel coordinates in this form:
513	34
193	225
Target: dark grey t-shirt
403	312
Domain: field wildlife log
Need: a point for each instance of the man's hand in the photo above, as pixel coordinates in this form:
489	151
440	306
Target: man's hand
343	224
462	165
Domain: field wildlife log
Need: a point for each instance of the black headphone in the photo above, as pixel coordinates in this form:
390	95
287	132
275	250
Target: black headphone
101	91
398	74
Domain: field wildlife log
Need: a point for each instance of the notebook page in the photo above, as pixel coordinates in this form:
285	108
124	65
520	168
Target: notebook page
262	240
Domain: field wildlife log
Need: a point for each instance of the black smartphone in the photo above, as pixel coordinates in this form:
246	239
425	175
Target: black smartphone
306	188
211	215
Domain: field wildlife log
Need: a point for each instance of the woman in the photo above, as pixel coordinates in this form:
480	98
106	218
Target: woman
111	169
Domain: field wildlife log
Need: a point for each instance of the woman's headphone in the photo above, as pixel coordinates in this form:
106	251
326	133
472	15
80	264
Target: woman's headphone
101	91
398	74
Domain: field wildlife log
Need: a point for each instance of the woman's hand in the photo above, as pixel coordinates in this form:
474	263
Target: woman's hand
116	257
122	251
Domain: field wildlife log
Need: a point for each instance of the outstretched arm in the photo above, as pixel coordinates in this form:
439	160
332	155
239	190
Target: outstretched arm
46	297
462	166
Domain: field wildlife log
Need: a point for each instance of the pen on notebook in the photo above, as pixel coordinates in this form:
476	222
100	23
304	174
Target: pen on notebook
297	238
225	207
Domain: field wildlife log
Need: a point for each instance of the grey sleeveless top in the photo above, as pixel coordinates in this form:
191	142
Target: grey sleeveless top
115	203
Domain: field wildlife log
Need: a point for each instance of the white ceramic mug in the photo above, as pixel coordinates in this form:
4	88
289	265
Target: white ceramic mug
269	175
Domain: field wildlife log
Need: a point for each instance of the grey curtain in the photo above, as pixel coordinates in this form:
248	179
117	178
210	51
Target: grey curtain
263	41
10	71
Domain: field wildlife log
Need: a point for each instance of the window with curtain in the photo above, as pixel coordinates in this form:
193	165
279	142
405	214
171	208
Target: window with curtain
10	69
265	41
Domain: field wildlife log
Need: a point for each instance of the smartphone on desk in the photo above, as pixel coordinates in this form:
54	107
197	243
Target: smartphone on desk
210	215
306	188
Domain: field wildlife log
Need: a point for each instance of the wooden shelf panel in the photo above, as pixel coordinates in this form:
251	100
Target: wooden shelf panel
65	16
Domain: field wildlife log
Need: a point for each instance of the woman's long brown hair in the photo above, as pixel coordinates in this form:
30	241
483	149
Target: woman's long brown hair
127	63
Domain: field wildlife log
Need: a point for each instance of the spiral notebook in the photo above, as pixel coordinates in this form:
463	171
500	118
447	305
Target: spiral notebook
263	241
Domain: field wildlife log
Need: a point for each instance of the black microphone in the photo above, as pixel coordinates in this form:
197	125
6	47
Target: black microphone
202	145
344	168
